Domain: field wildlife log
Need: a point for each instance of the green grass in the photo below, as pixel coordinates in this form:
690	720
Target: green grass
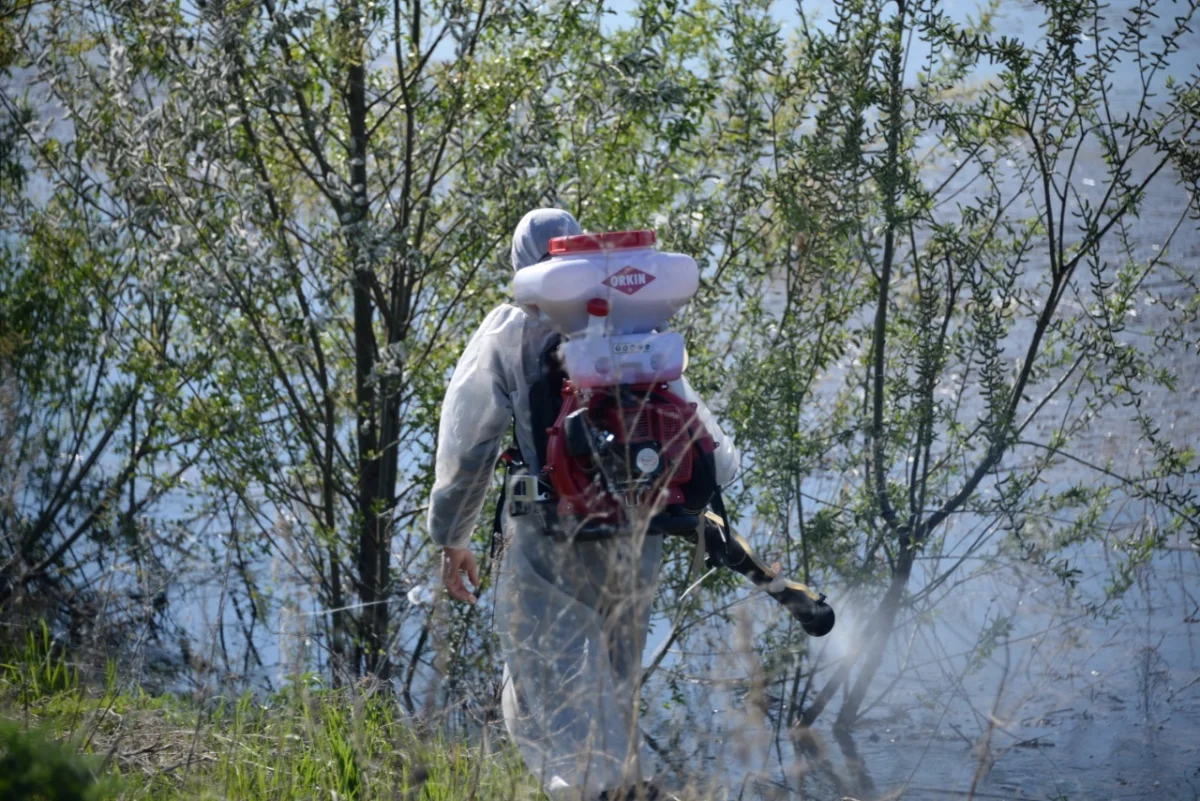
63	741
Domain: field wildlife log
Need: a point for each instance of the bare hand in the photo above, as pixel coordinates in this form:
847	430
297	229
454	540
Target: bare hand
455	562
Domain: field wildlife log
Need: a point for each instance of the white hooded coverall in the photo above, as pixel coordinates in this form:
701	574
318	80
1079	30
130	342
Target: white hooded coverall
572	617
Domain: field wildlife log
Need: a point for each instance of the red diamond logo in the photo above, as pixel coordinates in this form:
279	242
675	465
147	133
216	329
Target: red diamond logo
628	279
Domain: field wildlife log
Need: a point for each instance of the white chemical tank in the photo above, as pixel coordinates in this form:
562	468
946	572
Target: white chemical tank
643	285
607	293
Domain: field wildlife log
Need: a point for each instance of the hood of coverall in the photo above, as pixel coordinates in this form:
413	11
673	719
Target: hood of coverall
531	239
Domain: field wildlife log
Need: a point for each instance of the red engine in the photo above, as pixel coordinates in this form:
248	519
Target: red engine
613	452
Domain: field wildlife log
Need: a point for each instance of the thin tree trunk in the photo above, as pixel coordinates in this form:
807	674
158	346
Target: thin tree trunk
373	534
885	617
876	635
879	632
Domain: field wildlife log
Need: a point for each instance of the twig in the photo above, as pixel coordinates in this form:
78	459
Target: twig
1184	687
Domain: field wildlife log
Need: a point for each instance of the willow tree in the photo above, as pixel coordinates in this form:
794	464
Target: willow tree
333	185
955	217
89	445
321	194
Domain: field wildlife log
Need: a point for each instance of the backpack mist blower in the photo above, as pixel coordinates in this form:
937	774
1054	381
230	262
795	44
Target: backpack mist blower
620	447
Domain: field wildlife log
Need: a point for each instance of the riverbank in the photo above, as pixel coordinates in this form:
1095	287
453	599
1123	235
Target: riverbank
66	739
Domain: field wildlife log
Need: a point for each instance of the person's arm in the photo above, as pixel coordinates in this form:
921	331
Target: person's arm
475	415
726	456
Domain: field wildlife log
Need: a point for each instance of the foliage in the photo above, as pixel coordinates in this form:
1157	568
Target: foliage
38	668
962	281
33	767
303	740
245	243
88	441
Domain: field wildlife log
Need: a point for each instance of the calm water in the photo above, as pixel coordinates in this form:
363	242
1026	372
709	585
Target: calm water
1077	708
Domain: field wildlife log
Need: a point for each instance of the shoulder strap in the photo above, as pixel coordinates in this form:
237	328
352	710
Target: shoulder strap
545	402
545	396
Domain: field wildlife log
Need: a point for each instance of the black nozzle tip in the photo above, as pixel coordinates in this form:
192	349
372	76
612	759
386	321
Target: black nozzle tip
821	622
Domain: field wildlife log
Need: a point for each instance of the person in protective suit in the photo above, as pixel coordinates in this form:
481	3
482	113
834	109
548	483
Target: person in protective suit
572	616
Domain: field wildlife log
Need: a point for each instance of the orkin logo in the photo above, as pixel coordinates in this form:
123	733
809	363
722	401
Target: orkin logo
628	279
